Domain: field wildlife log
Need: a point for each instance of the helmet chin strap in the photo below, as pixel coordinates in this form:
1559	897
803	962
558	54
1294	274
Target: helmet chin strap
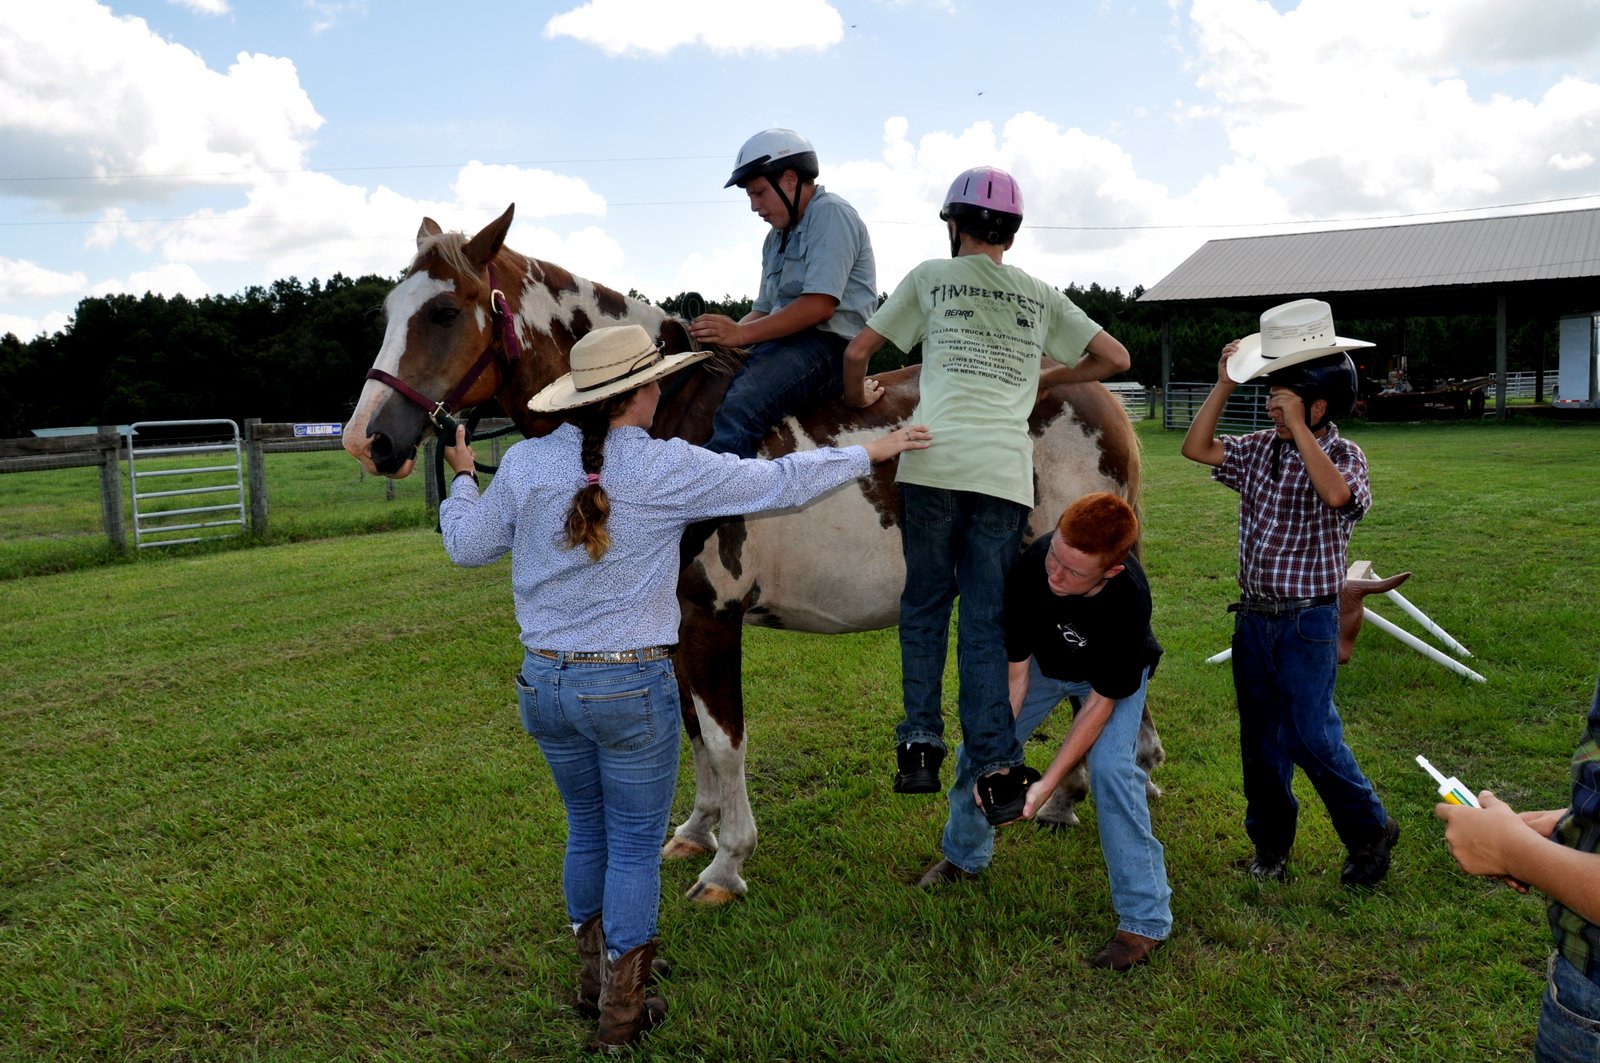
788	205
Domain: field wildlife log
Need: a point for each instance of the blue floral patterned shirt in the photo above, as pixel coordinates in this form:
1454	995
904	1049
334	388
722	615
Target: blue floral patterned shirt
628	599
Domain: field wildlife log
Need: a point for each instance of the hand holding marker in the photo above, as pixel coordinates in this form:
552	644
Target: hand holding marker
1454	793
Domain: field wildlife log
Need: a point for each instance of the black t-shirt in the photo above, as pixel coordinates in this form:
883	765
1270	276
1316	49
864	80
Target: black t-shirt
1103	640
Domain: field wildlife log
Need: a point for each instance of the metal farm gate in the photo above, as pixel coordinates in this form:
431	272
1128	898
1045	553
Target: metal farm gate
205	462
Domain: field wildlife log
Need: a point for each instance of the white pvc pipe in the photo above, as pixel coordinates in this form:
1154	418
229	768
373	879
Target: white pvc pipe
1225	655
1420	646
1428	625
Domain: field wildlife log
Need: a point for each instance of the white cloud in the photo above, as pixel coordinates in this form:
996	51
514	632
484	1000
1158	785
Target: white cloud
26	328
326	14
537	193
657	27
169	279
110	112
21	280
204	7
1359	106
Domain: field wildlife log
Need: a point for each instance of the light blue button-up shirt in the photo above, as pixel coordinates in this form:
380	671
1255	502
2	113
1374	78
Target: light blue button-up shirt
627	599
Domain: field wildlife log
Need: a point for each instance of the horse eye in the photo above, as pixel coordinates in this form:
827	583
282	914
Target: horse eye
444	315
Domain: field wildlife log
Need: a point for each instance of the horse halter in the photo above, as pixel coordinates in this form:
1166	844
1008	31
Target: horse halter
438	413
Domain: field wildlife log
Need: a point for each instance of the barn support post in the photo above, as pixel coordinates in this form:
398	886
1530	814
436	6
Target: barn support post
1166	366
256	458
112	516
1500	356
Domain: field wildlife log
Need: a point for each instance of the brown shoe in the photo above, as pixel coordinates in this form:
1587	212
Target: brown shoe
942	872
1125	950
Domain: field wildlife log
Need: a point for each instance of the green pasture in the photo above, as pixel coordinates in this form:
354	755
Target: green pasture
275	804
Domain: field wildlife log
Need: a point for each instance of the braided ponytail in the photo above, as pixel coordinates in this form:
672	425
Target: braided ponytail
591	506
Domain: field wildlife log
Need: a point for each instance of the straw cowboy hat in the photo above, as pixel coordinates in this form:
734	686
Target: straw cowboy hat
1290	333
607	362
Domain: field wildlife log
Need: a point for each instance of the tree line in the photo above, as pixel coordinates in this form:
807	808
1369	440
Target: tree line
293	351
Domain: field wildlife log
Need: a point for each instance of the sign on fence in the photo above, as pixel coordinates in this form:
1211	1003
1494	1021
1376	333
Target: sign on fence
301	430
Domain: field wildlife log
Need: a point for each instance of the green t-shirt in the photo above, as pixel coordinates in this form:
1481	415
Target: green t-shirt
983	329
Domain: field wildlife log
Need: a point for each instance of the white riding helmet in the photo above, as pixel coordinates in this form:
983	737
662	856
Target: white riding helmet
769	153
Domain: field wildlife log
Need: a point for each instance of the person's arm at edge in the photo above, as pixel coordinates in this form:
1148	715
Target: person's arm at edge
1103	358
859	390
810	309
1081	737
1200	443
1494	840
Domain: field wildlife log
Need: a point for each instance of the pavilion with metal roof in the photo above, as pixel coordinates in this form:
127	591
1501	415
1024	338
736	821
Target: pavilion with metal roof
1535	265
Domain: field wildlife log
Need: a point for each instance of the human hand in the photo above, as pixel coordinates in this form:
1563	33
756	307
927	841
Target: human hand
1479	838
907	437
1222	365
871	391
1038	794
1543	823
717	329
459	455
1286	408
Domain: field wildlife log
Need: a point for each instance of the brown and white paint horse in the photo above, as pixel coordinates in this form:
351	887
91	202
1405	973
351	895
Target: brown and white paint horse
832	567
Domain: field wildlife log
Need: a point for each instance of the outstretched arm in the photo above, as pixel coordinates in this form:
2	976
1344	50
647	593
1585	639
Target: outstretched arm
1081	736
1494	840
1200	443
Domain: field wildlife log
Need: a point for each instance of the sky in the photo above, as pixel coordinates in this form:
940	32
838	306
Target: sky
199	147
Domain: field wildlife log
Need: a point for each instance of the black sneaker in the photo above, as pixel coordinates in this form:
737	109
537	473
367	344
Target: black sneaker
1269	865
1367	865
918	768
1002	795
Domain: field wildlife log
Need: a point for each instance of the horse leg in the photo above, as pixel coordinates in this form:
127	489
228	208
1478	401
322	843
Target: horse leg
709	675
1149	754
696	835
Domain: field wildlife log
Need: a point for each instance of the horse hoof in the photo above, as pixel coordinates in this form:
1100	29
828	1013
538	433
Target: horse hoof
709	895
678	849
1053	825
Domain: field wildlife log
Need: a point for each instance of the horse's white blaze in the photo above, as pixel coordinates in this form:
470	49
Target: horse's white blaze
400	305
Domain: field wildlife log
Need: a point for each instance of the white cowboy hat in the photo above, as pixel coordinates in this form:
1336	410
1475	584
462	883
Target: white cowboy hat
607	362
1290	333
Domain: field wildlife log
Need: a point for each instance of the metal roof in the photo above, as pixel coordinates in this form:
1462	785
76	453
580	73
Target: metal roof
1475	252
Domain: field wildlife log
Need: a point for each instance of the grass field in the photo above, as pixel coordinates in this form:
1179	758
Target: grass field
276	804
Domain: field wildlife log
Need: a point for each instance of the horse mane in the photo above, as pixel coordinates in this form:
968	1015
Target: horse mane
450	247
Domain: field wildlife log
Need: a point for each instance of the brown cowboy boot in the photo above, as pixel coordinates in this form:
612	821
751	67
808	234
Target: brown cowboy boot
591	940
625	1012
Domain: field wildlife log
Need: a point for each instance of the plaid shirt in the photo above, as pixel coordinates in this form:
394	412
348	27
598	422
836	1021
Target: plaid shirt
1291	545
1577	939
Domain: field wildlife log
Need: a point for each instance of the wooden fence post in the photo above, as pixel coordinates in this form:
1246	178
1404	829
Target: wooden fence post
258	476
111	512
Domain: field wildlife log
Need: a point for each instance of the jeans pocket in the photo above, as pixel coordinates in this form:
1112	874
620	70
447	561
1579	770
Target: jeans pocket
528	707
623	720
1319	625
999	517
926	507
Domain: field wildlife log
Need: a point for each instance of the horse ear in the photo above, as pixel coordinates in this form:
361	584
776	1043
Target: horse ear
483	247
429	228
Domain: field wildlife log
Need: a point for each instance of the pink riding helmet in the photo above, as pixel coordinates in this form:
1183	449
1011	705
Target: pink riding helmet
986	188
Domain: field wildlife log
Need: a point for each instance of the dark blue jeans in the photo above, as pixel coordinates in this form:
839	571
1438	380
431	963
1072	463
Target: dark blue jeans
778	378
958	542
1569	1021
1283	672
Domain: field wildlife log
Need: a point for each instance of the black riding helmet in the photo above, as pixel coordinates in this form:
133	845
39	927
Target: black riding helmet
1331	379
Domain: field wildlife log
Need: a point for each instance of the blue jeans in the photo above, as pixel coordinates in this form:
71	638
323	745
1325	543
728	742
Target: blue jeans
610	735
1569	1021
1135	860
779	377
958	542
1283	673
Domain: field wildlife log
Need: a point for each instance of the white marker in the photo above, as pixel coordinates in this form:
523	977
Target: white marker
1450	789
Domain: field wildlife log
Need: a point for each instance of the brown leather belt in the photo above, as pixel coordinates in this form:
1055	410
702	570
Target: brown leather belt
1281	606
649	653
